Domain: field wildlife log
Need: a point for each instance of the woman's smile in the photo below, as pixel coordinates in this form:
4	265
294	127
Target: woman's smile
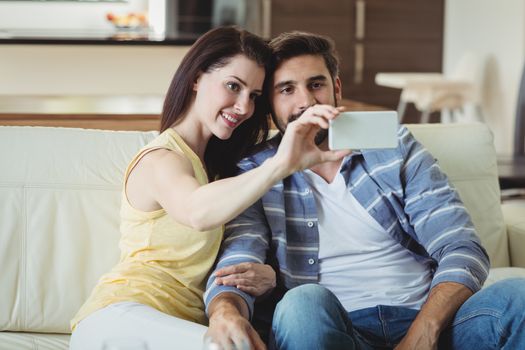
230	119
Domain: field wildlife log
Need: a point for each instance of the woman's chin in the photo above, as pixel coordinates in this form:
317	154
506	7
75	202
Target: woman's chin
223	135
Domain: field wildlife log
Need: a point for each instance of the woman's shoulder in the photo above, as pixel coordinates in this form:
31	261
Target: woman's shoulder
167	139
162	159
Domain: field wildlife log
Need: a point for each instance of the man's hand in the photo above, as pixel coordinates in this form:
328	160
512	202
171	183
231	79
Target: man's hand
229	327
419	337
436	314
252	278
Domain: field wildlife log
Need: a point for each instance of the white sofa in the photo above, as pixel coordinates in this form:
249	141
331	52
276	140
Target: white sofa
59	218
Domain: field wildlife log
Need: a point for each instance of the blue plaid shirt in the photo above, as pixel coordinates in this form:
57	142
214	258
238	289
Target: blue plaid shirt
403	189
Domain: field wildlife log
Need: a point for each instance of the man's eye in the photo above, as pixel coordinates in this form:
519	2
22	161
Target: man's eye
233	86
317	85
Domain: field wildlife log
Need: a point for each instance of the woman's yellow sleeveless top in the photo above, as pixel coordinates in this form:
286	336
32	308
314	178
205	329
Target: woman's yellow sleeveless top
163	264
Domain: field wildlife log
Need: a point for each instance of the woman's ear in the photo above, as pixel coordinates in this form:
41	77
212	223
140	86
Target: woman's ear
196	82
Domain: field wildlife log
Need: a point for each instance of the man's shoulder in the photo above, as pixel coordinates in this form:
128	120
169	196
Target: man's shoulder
261	152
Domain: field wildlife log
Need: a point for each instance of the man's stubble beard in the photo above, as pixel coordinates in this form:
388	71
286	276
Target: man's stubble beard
321	135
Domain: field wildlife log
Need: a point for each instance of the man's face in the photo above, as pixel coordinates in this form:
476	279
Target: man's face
301	82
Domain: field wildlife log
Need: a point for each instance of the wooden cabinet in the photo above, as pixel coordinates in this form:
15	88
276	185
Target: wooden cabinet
371	36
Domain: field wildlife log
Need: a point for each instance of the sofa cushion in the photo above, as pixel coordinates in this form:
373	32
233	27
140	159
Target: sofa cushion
500	273
33	341
60	194
467	155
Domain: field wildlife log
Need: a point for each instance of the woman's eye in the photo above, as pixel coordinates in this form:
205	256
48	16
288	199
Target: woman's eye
233	86
253	97
287	90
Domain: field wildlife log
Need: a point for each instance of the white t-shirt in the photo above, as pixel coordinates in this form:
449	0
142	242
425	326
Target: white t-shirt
358	260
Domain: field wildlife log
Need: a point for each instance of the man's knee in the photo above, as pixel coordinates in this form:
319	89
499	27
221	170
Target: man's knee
494	315
305	301
310	316
510	288
307	295
505	299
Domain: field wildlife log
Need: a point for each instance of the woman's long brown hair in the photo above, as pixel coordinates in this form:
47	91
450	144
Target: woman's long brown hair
213	50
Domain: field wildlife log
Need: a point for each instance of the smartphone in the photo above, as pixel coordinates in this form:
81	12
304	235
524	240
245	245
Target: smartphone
363	130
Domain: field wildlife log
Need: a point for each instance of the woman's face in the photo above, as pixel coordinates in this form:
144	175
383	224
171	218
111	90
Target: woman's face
225	96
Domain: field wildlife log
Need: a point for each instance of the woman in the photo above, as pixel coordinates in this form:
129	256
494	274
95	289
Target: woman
171	217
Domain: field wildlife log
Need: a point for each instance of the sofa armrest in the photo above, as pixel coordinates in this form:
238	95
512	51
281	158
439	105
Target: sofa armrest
514	214
516	235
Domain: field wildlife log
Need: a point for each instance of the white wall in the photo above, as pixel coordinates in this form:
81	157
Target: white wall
62	15
82	69
495	31
87	70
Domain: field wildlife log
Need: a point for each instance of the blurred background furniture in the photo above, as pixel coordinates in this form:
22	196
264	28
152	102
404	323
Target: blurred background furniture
106	112
457	97
512	168
371	36
519	129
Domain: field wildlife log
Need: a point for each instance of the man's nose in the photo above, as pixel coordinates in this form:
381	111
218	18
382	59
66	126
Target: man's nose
305	99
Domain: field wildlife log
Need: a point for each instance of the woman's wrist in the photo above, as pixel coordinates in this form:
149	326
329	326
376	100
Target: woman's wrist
277	168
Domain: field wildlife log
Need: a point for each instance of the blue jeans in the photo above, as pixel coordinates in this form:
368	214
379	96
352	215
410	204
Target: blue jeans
311	317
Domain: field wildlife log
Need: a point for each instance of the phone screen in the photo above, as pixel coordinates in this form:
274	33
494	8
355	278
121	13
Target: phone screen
363	130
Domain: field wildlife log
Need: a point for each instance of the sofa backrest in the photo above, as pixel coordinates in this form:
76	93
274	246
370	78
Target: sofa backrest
60	194
59	219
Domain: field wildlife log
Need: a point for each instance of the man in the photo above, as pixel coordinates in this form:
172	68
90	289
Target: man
375	251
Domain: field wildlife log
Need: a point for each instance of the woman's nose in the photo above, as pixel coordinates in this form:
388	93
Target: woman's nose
242	104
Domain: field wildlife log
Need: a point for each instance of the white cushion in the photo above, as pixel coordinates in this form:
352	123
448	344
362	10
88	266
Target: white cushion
33	341
501	273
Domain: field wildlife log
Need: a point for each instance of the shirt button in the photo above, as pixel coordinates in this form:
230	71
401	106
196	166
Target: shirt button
311	261
307	191
310	224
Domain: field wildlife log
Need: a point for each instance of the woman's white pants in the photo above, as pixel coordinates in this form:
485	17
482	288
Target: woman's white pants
130	325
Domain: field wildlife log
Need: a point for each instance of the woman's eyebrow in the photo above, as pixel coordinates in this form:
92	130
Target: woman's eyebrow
244	83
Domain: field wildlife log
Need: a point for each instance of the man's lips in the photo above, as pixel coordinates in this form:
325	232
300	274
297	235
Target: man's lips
294	117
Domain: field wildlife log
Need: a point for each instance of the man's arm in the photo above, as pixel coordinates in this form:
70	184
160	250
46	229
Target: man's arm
443	227
229	308
439	220
246	240
435	315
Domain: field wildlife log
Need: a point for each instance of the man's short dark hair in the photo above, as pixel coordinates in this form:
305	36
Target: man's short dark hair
292	44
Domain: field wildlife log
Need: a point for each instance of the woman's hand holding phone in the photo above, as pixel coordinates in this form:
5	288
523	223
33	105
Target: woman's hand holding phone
298	150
